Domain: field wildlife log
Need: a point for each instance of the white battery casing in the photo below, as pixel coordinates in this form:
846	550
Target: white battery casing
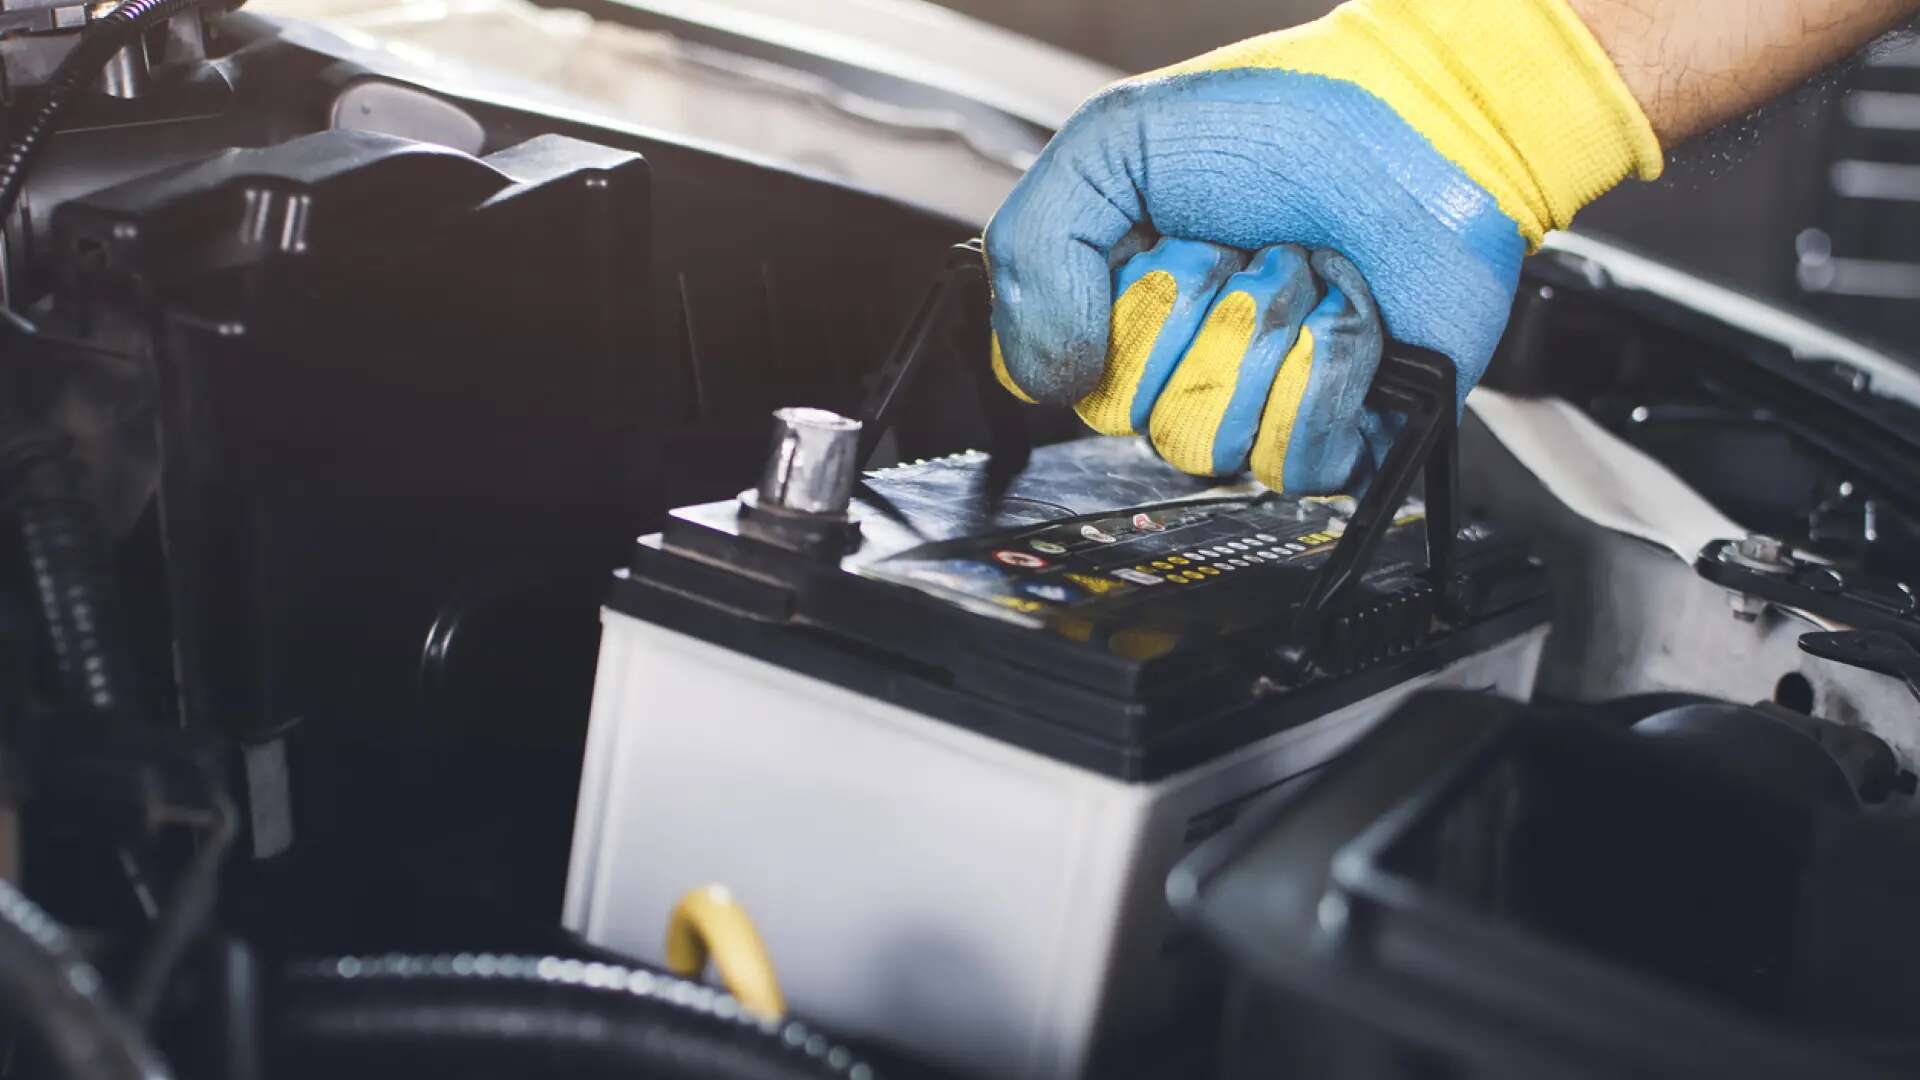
984	905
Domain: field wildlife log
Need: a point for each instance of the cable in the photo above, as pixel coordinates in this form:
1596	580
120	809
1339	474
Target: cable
481	1013
187	913
102	38
46	983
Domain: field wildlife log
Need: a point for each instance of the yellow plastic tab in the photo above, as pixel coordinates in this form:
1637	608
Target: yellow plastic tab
1187	416
1517	93
708	922
1283	408
1138	317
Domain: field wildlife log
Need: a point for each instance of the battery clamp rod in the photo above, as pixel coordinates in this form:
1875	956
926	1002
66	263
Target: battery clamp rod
817	456
1422	385
1418	383
951	325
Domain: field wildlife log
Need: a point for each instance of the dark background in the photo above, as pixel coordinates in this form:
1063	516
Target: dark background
1737	207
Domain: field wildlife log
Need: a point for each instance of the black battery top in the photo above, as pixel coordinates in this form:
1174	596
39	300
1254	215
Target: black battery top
1105	609
1097	560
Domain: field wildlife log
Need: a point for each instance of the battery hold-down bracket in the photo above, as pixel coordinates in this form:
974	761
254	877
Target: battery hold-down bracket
1422	385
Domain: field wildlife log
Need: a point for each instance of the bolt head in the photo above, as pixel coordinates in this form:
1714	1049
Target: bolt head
1762	549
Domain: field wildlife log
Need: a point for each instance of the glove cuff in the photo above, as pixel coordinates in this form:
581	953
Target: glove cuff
1517	93
1546	85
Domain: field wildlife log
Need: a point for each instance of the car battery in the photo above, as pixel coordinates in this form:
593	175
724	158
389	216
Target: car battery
947	752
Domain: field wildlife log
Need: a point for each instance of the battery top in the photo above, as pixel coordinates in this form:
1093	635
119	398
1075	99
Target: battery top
1104	593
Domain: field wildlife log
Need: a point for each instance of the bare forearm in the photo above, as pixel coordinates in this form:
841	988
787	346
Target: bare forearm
1696	63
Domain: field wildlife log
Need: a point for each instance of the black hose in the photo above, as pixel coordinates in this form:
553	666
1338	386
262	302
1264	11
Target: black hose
103	37
56	994
66	551
486	1015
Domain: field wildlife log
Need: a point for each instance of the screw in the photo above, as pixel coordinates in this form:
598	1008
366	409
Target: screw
1746	606
1763	549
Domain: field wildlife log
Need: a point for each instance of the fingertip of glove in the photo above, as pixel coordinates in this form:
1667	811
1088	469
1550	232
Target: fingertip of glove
1005	377
1062	377
1337	270
1329	261
1272	483
1102	419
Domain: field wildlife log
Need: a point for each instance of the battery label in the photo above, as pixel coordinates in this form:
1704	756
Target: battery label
1112	559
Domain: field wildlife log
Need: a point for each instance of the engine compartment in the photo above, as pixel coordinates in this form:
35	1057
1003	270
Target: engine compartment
336	397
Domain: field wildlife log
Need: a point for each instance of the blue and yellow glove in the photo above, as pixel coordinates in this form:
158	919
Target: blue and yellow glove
1210	254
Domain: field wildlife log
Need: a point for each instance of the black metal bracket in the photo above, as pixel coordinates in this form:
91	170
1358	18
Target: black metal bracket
1855	598
1417	383
1421	385
1871	650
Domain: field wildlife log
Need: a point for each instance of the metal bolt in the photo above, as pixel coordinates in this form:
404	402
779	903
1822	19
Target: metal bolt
1746	606
811	467
1759	554
1763	549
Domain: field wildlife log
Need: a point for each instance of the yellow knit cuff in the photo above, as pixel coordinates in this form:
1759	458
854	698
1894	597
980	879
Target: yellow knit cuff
1538	74
1517	93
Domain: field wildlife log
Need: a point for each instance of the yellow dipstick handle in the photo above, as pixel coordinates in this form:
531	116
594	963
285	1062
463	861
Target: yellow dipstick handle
709	922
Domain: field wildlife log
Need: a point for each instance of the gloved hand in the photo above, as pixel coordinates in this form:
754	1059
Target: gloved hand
1207	254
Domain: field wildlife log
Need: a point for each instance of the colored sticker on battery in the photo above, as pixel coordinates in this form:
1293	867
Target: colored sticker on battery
1120	557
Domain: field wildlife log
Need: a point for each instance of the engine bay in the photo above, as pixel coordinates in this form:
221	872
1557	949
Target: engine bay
417	662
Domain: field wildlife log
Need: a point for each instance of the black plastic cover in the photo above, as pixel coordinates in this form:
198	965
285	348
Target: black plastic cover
1478	891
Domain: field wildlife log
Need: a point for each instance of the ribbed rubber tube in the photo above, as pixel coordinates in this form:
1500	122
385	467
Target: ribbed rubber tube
66	551
480	1014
